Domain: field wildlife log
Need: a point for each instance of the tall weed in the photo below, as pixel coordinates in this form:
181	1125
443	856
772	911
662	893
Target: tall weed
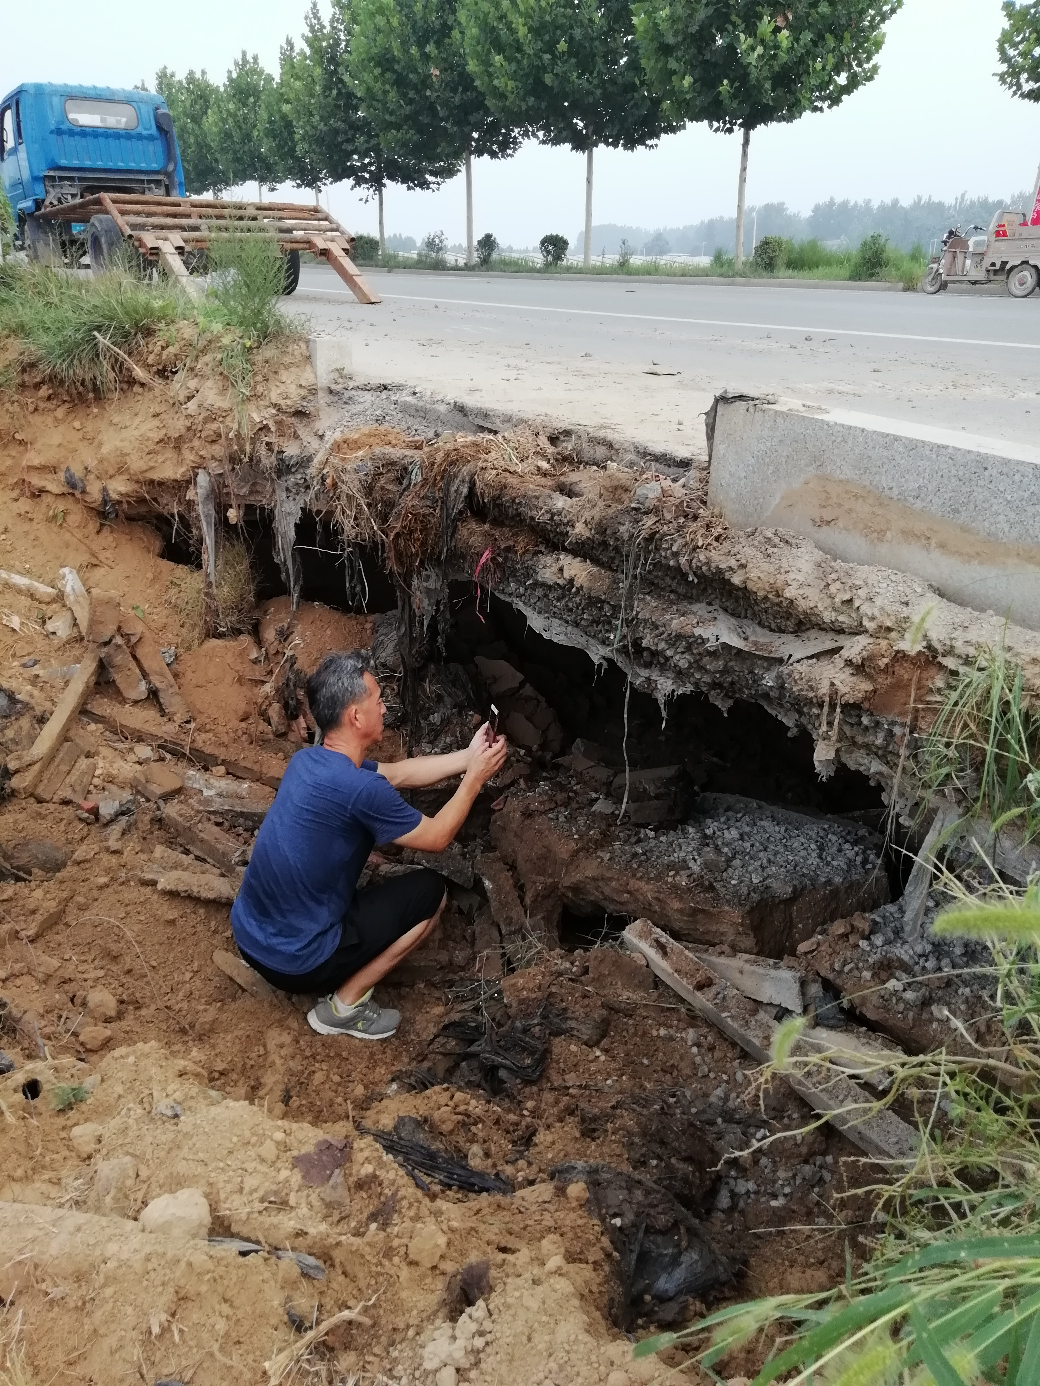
247	280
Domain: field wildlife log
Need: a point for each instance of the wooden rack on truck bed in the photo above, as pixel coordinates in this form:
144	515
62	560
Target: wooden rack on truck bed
169	230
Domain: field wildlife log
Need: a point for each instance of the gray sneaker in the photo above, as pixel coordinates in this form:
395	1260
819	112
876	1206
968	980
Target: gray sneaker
367	1021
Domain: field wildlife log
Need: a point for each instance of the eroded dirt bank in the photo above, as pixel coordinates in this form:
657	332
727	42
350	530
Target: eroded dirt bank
586	591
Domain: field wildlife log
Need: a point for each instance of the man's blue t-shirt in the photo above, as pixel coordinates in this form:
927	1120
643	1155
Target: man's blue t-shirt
310	850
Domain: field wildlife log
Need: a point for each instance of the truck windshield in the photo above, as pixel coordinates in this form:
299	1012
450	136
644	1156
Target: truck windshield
100	115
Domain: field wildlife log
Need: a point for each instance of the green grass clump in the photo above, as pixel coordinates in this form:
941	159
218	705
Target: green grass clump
63	321
247	280
984	745
64	1096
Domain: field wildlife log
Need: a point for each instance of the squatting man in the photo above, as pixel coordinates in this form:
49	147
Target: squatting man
299	918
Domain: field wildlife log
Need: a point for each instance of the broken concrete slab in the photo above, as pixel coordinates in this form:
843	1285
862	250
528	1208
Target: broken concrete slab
29	587
157	781
67	755
78	781
198	886
76	599
146	652
742	873
956	510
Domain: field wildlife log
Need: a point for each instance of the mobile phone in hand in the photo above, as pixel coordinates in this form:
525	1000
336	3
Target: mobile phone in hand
492	730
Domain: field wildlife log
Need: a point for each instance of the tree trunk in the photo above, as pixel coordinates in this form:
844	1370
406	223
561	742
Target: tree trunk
382	227
471	258
738	249
588	208
259	192
317	195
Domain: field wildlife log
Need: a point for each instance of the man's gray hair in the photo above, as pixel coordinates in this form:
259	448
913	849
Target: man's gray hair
337	682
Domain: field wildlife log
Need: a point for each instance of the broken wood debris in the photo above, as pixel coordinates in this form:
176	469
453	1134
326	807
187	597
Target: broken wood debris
156	782
57	771
149	657
28	767
137	725
249	980
78	782
205	839
876	1130
39	591
76	599
125	674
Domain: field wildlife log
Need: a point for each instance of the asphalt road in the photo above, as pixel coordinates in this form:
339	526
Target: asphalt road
646	358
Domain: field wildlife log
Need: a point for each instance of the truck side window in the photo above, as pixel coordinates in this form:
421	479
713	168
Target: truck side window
18	122
6	132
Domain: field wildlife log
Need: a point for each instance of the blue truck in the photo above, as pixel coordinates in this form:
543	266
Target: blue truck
95	172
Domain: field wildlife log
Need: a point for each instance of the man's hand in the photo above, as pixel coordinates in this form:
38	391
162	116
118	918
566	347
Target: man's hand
485	760
481	740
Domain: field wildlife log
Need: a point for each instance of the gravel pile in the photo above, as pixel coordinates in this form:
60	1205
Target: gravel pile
753	852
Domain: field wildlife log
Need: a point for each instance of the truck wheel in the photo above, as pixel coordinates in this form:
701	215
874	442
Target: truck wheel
1021	280
292	272
933	280
104	244
43	243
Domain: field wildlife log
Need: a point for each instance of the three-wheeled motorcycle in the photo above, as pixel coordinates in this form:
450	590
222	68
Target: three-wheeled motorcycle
1008	250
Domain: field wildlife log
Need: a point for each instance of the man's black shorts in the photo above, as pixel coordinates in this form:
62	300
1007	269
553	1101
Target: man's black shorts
378	917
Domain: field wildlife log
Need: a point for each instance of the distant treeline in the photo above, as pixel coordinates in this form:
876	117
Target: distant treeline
903	224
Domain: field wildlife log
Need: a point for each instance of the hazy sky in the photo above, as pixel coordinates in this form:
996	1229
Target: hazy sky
934	121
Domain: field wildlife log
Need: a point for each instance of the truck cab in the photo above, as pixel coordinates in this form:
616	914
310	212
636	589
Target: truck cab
61	143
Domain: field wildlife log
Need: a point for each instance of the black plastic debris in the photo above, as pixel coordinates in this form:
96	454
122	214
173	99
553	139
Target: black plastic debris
7	1064
665	1260
74	482
309	1266
107	509
412	1150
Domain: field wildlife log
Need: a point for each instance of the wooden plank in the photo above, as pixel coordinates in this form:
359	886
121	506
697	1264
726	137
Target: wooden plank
348	272
64	714
240	972
757	978
176	268
148	655
37	590
137	726
204	839
879	1133
104	617
57	772
125	674
77	785
198	886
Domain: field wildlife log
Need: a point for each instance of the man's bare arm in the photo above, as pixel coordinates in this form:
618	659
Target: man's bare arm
434	834
420	772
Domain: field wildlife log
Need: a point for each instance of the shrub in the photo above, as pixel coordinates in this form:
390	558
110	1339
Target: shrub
247	283
554	249
434	250
487	249
721	263
769	254
366	250
624	258
871	258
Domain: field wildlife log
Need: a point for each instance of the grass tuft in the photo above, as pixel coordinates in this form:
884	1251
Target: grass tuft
64	1096
58	320
236	598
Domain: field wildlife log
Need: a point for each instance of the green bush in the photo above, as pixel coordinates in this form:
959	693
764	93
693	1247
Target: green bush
366	250
554	248
807	255
770	253
721	263
624	258
487	249
433	252
872	258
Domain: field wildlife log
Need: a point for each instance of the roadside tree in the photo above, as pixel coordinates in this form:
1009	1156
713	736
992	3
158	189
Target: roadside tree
236	130
1018	49
487	249
409	64
569	73
741	64
190	99
554	248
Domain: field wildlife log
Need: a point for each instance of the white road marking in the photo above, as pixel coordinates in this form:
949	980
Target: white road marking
692	322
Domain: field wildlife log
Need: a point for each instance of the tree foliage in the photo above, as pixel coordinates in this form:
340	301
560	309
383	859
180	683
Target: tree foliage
190	99
569	72
1018	49
740	64
409	63
235	127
